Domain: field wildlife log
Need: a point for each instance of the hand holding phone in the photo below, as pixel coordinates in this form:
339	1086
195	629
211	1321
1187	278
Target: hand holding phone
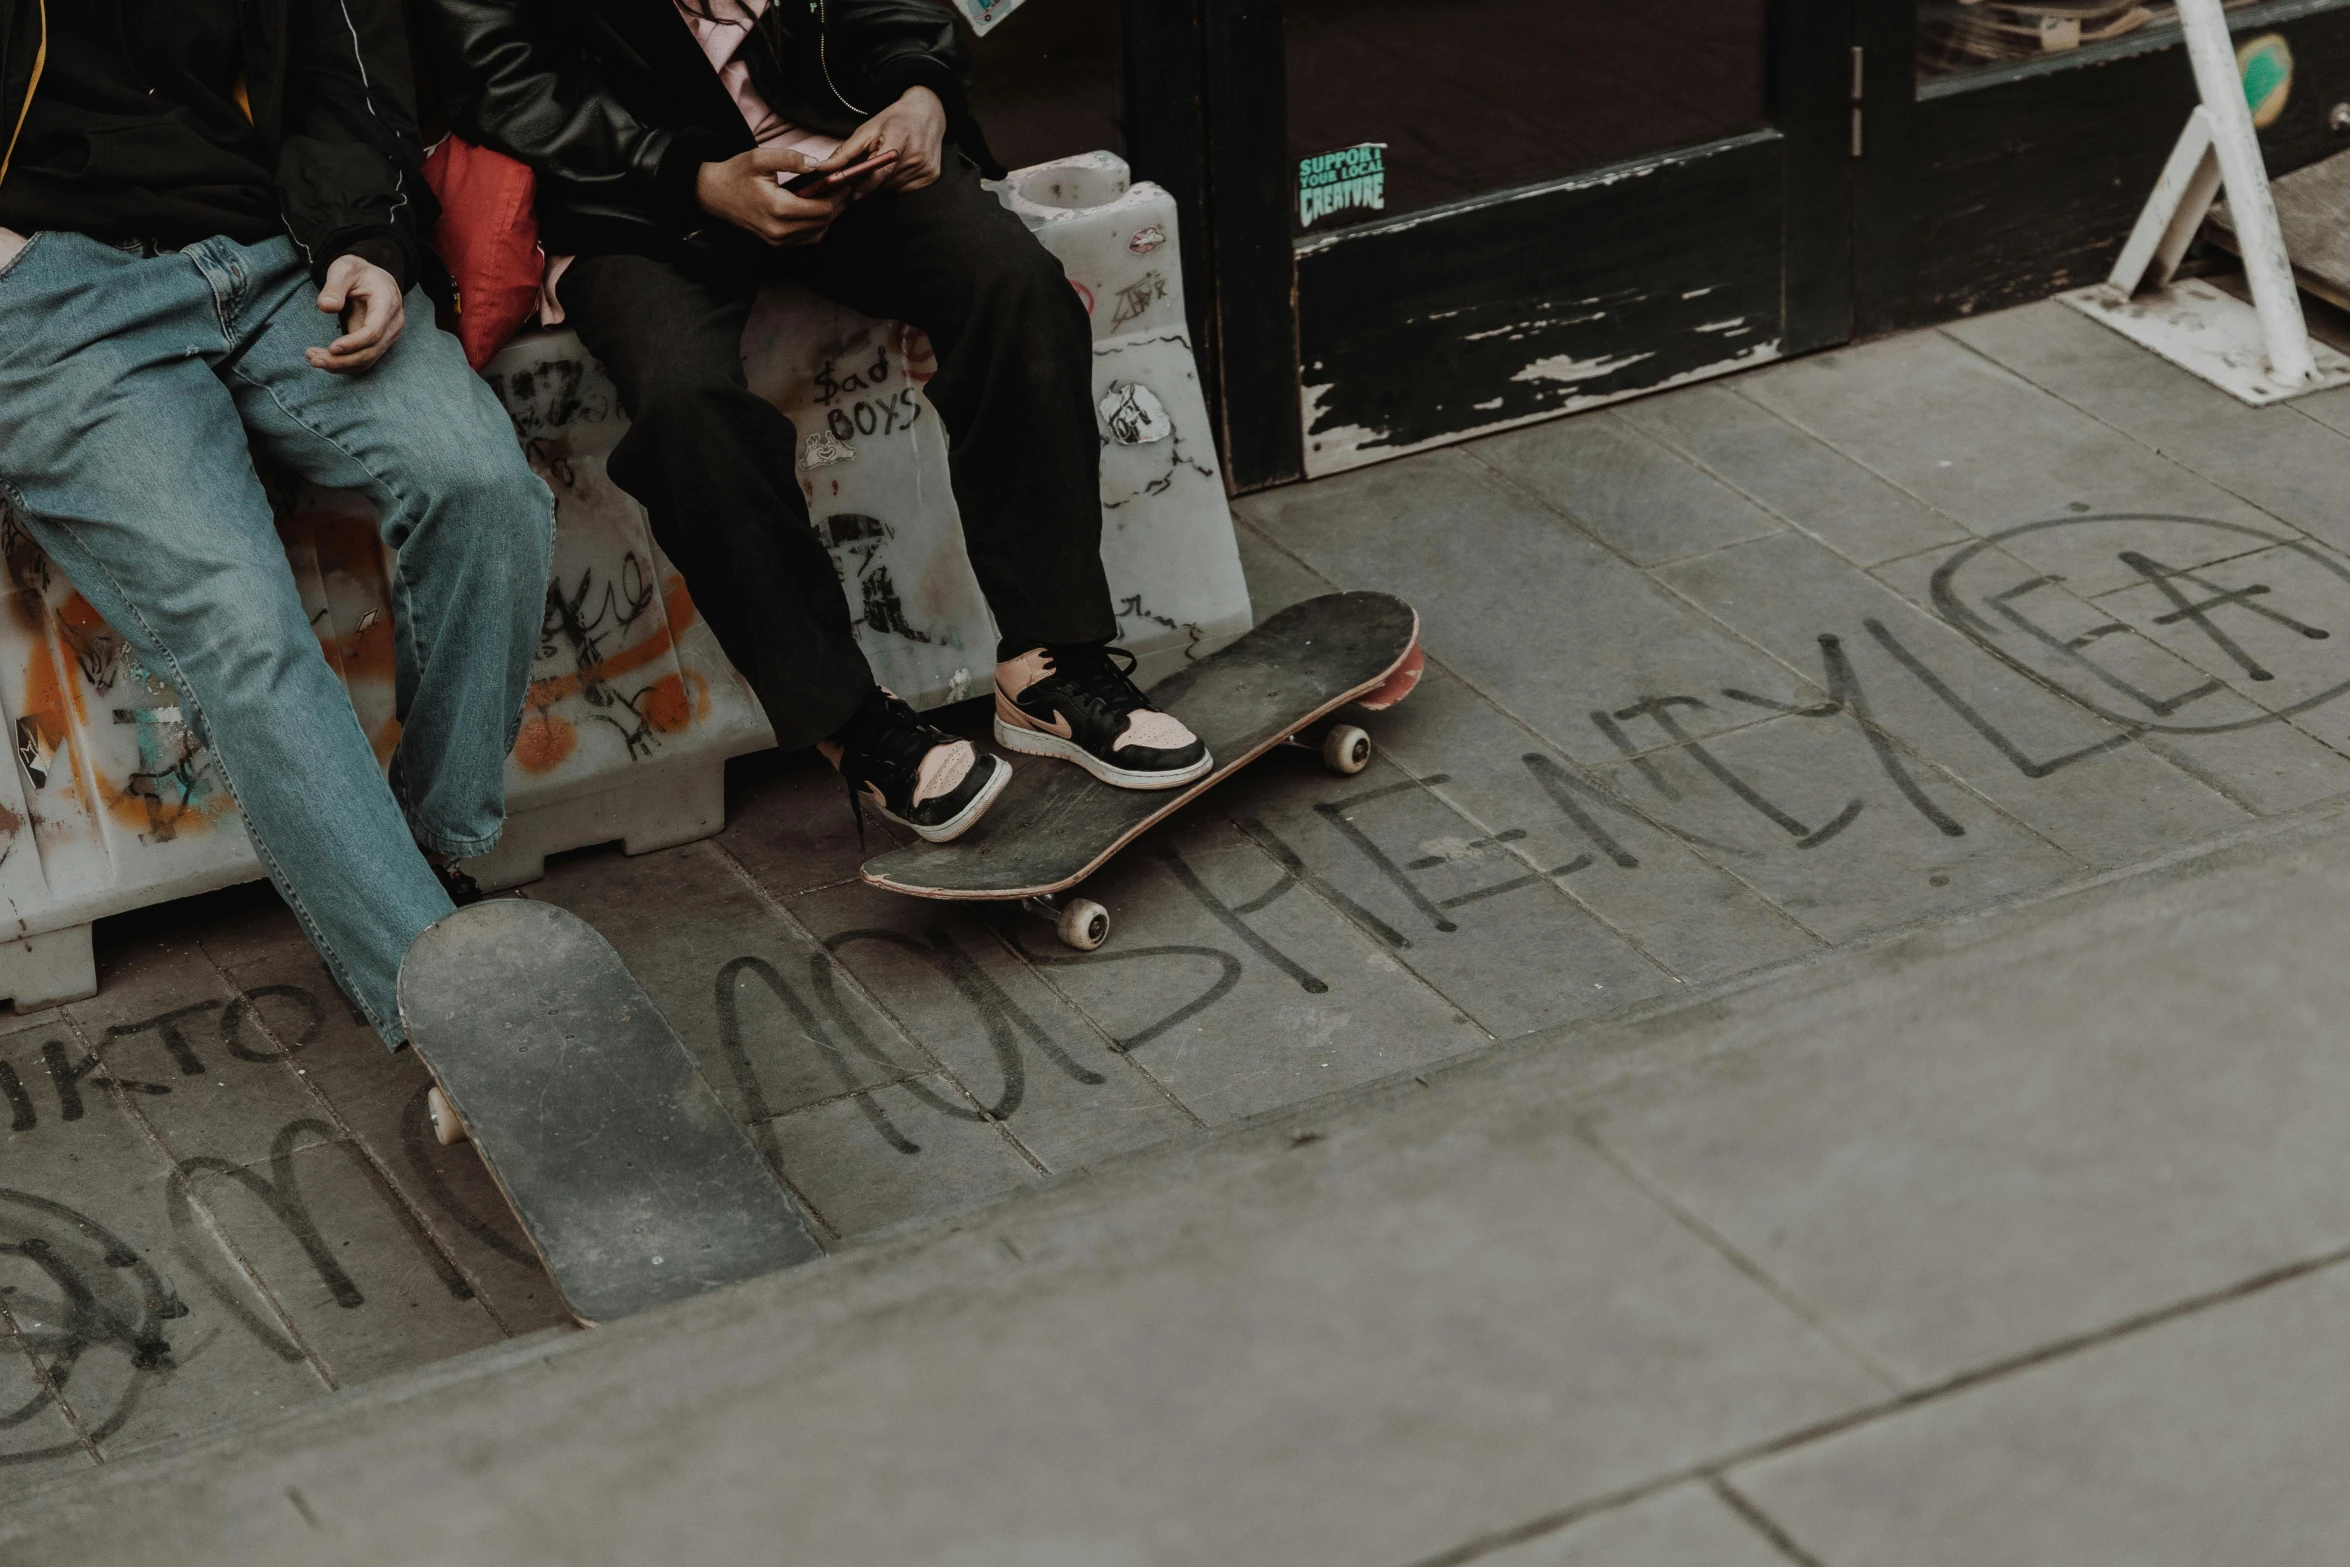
818	180
773	193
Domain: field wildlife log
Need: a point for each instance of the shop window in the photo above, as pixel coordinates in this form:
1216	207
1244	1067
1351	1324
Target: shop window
1971	35
1399	105
1047	81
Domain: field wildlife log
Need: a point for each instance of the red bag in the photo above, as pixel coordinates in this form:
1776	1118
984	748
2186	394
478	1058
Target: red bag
489	237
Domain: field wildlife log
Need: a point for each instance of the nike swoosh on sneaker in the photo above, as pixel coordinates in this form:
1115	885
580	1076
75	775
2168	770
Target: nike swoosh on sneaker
1059	726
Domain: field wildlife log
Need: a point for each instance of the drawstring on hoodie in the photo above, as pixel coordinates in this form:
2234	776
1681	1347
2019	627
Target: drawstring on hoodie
32	86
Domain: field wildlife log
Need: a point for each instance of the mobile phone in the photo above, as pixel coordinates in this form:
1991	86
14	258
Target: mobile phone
802	184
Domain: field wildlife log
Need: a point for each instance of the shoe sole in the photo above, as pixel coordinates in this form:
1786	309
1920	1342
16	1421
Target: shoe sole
1035	742
964	820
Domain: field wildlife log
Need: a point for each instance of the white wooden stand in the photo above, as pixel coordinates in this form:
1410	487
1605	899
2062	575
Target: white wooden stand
2261	352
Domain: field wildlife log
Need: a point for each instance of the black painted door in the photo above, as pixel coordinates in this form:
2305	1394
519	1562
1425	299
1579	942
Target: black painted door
1494	211
2013	142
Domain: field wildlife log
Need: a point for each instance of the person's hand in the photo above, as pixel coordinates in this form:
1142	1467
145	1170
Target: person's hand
746	192
915	128
377	314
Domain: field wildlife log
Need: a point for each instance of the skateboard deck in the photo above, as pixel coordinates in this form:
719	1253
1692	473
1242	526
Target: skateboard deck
1056	824
630	1178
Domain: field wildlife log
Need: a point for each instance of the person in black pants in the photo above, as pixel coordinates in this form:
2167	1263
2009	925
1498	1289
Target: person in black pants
662	132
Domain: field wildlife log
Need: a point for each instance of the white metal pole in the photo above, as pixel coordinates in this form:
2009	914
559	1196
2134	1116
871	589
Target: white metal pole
2181	201
2266	266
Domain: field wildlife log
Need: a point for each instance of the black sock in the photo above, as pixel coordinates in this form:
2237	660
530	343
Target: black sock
1011	648
872	716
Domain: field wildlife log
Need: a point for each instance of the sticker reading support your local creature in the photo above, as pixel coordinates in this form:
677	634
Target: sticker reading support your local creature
1342	181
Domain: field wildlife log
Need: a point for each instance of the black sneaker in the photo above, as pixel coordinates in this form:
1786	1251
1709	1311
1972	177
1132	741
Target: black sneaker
914	773
1080	704
461	888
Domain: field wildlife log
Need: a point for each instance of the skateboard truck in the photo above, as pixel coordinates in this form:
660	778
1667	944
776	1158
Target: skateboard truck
447	1128
1344	748
1079	922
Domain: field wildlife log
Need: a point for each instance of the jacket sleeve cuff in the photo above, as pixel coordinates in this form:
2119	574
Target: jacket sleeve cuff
923	70
675	175
385	247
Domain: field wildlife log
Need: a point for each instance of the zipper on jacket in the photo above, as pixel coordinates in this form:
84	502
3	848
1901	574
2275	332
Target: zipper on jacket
824	58
31	86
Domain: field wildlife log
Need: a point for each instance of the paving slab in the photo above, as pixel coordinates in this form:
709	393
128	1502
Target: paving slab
2264	765
1978	442
1548	624
1795	475
1843	836
788	822
234	925
2184	713
2330	408
2050	1132
2213	1438
36	1440
2051	631
1276	579
919	1149
746	989
1631	492
2076	779
2277	457
2273	625
1689	915
1008	1039
1237	984
365	1285
174	1021
1491	933
1685	1526
158	1329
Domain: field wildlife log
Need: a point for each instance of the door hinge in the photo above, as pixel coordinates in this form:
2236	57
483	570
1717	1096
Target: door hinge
1859	95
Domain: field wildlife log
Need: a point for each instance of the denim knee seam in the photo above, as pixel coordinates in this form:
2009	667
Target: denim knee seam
404	611
292	417
522	708
187	692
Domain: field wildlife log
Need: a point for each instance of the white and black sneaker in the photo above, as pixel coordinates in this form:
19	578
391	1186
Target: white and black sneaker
914	773
1080	704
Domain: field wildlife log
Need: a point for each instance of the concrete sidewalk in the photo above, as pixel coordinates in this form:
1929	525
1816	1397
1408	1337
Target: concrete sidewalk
2017	1240
1959	626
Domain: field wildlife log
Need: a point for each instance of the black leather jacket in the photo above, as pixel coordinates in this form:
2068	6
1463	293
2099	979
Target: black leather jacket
615	107
333	96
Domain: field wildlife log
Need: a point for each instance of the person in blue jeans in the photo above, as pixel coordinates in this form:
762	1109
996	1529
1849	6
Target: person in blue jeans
208	217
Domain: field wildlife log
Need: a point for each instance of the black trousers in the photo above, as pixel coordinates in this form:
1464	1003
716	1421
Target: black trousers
715	465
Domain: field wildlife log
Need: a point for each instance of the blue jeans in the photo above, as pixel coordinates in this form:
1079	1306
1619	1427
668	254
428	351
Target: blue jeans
130	385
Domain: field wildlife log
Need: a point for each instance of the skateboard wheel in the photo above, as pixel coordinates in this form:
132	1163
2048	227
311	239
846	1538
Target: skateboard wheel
1346	750
1084	925
447	1130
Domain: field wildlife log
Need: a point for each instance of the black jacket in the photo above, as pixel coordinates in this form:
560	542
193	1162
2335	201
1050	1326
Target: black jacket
614	106
332	90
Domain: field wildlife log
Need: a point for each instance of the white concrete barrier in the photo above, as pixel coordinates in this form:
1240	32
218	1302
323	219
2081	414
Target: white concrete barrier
633	709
